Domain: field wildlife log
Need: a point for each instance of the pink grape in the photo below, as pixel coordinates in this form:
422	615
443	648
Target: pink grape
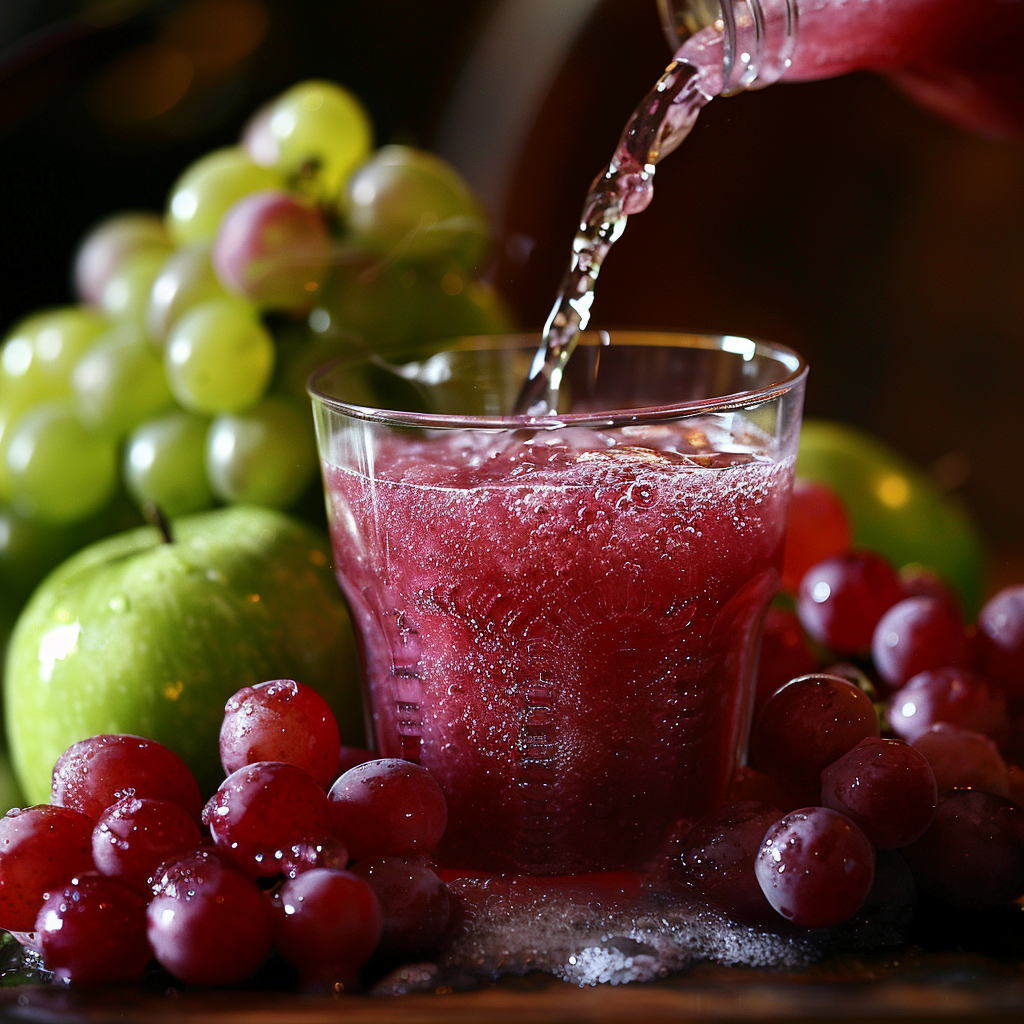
1001	640
262	810
951	695
327	922
973	854
95	773
815	867
414	903
388	807
272	249
93	931
917	634
718	857
819	527
960	757
885	787
785	654
808	724
280	720
41	848
134	836
842	598
207	923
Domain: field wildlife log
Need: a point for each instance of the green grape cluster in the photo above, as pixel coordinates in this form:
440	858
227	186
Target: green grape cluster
179	377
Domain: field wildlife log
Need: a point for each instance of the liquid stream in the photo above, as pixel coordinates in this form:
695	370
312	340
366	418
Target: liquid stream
626	186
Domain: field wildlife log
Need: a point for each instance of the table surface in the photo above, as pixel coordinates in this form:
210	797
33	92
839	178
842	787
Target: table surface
982	982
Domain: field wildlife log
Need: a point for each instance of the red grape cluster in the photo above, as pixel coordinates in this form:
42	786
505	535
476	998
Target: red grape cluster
313	849
882	723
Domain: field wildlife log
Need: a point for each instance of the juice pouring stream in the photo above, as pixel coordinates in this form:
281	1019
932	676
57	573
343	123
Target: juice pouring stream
962	58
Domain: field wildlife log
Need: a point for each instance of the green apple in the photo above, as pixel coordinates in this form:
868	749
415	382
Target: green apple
895	508
139	635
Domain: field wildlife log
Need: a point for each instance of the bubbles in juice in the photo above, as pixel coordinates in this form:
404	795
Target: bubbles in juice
561	627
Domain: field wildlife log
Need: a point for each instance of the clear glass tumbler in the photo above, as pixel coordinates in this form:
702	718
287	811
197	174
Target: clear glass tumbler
560	617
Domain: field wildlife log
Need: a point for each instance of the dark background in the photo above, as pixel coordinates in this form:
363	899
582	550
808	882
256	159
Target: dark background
885	245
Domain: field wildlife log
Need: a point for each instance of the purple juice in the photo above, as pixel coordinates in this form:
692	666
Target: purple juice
561	625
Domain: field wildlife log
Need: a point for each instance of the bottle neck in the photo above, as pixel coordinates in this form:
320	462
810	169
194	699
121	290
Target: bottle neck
758	36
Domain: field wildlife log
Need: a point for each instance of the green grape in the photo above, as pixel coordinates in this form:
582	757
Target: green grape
58	469
29	548
410	204
219	357
22	381
61	338
266	456
120	382
127	291
109	243
185	280
165	463
365	304
455	307
317	133
9	413
209	188
299	352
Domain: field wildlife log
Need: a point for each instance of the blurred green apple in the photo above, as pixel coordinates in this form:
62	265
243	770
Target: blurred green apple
895	508
139	635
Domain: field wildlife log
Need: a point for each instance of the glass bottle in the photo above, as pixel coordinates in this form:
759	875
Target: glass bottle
962	58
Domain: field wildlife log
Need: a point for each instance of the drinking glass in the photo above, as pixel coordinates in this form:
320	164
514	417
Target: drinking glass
560	617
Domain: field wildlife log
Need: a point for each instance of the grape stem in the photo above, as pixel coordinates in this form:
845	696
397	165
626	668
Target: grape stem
154	515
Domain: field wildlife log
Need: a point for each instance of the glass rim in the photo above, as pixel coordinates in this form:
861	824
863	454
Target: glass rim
745	348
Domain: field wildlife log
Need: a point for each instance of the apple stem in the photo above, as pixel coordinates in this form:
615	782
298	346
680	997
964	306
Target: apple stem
154	515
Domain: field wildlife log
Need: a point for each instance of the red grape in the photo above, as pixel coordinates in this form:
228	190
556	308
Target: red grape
280	720
818	528
917	581
95	773
262	810
388	807
952	695
815	867
718	857
750	784
207	923
885	787
93	931
960	757
41	848
973	854
1015	777
327	853
842	598
134	836
327	922
1001	640
414	903
349	757
808	724
785	654
916	634
272	249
